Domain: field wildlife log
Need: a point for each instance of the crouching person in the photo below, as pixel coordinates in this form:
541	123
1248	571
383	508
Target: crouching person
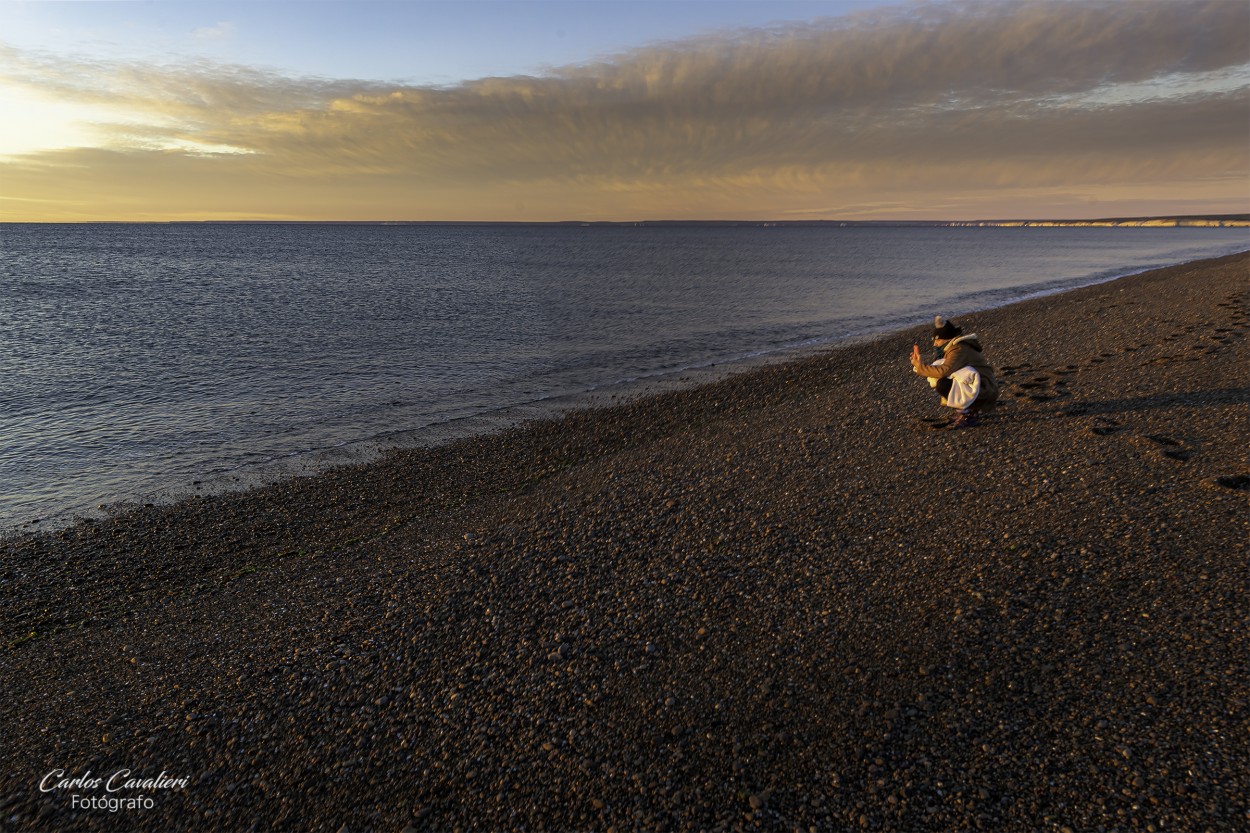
962	376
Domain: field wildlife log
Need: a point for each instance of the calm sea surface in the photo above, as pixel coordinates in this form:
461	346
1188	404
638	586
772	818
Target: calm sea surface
146	360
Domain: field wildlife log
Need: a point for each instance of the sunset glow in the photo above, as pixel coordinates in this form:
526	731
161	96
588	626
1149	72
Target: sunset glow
924	111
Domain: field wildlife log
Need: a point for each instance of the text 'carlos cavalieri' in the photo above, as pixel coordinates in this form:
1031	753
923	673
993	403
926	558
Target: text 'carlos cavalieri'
119	789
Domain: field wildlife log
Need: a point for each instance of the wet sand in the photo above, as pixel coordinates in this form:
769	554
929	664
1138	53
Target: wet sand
778	602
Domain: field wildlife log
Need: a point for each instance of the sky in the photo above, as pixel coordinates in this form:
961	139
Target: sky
601	110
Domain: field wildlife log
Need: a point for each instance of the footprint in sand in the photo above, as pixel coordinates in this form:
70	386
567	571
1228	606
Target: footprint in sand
1235	482
1169	360
1168	447
1043	387
1102	426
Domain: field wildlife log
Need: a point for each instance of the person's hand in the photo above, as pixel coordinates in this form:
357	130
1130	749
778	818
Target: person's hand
915	354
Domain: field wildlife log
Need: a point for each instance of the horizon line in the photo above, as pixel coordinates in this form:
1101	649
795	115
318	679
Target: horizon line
1211	217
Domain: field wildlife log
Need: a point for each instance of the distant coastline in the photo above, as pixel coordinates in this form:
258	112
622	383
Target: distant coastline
1230	221
1170	221
1193	221
1196	221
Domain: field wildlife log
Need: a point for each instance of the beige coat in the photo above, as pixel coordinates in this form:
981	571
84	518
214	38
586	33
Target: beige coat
961	352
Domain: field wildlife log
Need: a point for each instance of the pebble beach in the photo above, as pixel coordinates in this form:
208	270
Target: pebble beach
788	600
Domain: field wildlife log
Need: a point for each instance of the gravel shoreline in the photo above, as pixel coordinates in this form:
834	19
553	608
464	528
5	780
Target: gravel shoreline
778	602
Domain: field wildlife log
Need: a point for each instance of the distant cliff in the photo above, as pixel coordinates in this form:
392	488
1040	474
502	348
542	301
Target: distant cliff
1230	221
1194	221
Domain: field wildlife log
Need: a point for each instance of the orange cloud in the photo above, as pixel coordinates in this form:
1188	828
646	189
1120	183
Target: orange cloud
956	104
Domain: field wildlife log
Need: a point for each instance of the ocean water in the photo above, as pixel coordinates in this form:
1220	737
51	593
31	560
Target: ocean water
141	362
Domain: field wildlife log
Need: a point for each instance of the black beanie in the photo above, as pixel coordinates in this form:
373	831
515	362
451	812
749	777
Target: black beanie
944	329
